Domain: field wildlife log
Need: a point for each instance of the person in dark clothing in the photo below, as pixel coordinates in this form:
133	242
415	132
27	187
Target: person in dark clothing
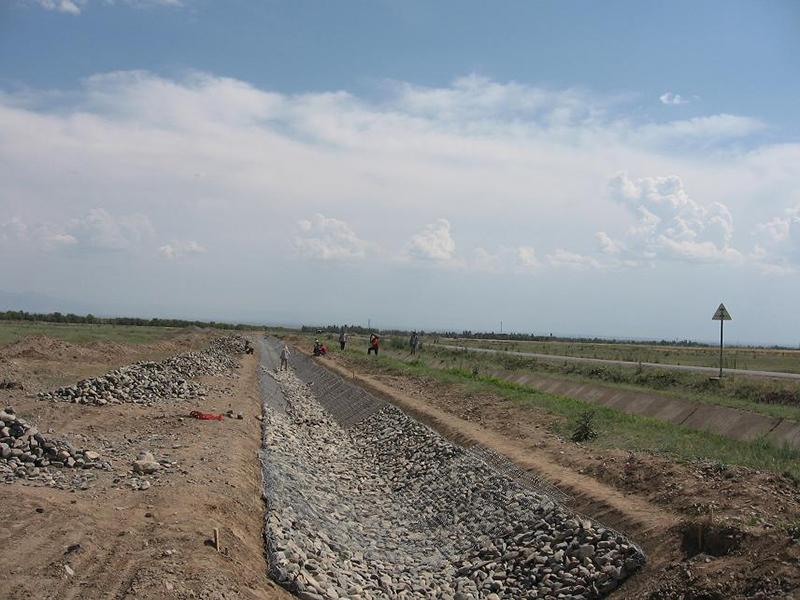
413	342
342	340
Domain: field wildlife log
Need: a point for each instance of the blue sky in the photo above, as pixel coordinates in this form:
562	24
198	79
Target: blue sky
607	168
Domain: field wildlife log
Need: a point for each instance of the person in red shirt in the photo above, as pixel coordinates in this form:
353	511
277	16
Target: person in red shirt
374	344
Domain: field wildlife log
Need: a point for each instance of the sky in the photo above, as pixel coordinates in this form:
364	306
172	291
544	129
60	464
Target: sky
579	168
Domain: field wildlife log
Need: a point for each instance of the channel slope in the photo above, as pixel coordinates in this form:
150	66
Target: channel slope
386	508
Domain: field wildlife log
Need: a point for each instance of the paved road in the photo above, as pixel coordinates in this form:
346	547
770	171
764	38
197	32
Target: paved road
627	363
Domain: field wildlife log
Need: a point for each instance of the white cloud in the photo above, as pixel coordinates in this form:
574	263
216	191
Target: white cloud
526	257
669	224
777	248
670	98
705	130
327	239
475	98
97	231
485	261
178	249
572	260
13	229
434	243
57	239
607	245
504	259
511	166
66	6
75	7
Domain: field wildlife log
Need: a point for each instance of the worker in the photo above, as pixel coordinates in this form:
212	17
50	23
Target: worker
285	358
342	339
413	342
374	344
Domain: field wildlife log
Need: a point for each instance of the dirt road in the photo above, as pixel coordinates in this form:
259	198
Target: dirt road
112	541
712	371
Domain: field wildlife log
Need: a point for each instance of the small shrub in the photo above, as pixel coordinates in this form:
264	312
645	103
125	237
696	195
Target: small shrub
585	430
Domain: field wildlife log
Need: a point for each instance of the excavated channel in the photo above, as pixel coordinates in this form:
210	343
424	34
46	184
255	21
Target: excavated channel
362	501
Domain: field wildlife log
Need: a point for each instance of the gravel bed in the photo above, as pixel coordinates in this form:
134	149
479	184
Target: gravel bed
387	508
150	382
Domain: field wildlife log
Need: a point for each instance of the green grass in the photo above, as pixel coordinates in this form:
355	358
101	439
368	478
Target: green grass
759	359
775	398
616	429
12	331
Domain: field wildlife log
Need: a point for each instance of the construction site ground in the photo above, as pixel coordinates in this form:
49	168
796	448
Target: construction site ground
112	541
710	531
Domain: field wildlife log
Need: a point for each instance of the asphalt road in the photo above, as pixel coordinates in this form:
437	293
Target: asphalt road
627	363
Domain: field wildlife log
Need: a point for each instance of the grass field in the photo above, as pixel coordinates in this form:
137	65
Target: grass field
775	398
759	359
12	331
617	429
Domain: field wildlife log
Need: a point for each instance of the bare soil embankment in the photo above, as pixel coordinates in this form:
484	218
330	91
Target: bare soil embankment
111	540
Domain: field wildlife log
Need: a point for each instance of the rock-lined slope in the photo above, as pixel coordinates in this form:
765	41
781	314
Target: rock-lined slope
388	508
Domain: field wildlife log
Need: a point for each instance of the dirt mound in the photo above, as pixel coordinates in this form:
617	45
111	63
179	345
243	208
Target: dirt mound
42	347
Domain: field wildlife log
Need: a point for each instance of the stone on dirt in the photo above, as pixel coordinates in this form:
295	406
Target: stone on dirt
150	382
25	453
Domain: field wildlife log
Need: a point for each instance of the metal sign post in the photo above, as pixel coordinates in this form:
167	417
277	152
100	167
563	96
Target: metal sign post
721	315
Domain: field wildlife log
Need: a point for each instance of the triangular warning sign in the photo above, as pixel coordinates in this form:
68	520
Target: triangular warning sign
722	314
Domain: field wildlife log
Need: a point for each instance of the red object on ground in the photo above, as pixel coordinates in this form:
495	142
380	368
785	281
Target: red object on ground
206	416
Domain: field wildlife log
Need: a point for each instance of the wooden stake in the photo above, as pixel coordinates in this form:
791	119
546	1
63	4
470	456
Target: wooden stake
216	538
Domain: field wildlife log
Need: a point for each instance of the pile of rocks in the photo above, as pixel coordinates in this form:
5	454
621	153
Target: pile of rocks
388	508
25	452
149	382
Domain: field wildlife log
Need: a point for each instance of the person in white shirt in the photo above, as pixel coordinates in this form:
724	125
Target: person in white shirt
285	358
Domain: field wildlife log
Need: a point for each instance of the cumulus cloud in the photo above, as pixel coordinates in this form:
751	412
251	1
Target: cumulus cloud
178	249
97	231
669	223
477	149
505	259
674	99
526	257
484	260
328	239
572	260
777	248
434	243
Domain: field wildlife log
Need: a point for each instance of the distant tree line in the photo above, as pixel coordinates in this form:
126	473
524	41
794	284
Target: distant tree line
57	317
